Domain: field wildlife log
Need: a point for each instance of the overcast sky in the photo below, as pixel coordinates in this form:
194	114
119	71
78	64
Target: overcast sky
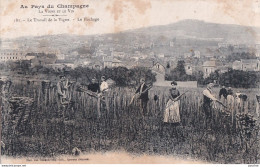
120	15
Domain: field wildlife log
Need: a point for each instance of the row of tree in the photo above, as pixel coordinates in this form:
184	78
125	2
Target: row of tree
236	78
232	78
122	76
130	77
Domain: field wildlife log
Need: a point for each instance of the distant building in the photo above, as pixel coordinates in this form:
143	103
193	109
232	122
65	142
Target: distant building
97	65
8	45
151	55
250	64
223	45
60	64
209	67
28	57
160	70
158	67
134	58
209	56
223	69
247	65
187	55
63	63
116	63
161	55
143	56
90	63
55	66
100	53
171	44
75	53
236	65
61	56
137	54
119	54
140	63
109	62
83	62
197	54
222	57
14	56
188	68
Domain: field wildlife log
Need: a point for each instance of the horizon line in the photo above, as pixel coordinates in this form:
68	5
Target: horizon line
129	30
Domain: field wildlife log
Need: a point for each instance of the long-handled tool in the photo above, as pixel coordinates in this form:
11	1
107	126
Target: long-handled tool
177	98
219	102
90	93
138	95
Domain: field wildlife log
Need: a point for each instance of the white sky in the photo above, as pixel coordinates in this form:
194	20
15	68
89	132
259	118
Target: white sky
119	15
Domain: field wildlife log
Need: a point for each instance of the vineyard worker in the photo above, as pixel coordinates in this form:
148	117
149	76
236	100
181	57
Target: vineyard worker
230	99
223	93
223	96
62	89
242	102
104	85
142	90
208	98
230	91
94	86
172	113
103	93
231	103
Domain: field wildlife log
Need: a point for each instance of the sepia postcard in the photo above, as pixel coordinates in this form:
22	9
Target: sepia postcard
130	82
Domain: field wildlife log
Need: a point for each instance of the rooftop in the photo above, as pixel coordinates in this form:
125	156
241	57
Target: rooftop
64	61
250	61
210	63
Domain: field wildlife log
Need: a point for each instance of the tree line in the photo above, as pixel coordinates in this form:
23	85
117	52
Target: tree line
231	78
123	76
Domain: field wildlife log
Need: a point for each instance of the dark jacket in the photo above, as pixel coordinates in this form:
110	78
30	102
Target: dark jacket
223	92
61	88
173	93
144	96
94	87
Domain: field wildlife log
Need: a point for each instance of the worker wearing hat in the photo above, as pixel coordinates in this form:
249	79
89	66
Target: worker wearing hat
208	98
94	86
103	85
172	111
143	96
103	94
62	90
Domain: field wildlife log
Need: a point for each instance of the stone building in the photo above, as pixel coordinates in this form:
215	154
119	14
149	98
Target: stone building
209	67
